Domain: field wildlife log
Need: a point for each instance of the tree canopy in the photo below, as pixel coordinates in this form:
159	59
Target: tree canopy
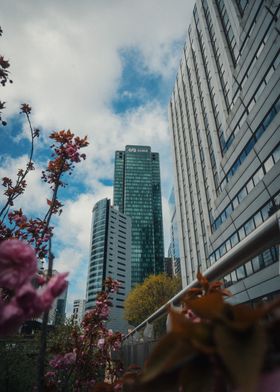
147	297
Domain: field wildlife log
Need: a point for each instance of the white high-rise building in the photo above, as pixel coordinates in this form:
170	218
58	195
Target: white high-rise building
225	123
110	256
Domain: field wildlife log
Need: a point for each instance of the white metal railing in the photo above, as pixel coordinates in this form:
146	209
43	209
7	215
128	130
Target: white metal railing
263	237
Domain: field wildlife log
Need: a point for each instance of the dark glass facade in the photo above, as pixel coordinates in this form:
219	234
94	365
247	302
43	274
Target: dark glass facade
137	193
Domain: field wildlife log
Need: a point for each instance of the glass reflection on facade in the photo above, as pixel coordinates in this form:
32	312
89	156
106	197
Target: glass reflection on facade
137	193
97	264
173	250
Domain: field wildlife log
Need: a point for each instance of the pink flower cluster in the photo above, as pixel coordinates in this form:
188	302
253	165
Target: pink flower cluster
112	285
18	267
71	151
190	315
63	361
93	346
115	341
103	309
100	343
33	231
66	154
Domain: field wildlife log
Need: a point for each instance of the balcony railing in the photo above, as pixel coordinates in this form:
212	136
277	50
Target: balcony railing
263	237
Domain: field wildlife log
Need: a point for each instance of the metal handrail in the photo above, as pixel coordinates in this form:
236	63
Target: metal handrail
263	237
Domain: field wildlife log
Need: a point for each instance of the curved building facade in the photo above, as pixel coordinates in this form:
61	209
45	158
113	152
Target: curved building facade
110	256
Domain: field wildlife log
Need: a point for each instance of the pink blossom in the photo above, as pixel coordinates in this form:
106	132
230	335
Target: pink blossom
11	317
56	361
18	263
50	374
40	279
54	288
69	359
100	343
18	218
118	387
63	361
71	150
58	284
27	300
116	345
270	381
192	317
104	311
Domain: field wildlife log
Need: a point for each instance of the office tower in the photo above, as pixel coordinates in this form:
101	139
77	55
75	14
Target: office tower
110	253
57	312
173	249
224	117
78	310
137	193
168	266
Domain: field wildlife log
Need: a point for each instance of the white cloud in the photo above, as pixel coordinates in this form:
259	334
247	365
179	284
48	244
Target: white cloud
34	198
65	57
73	234
66	62
68	260
73	226
74	262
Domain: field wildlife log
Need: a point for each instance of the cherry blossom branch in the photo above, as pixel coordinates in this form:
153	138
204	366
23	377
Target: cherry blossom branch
13	192
4	78
63	158
88	355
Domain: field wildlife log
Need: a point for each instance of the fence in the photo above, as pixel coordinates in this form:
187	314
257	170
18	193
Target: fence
139	342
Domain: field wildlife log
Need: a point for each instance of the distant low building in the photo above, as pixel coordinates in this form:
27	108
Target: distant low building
57	312
78	310
168	266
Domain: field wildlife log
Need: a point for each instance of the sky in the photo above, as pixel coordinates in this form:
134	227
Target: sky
102	68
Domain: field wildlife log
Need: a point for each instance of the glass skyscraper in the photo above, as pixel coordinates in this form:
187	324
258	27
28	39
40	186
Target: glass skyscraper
137	193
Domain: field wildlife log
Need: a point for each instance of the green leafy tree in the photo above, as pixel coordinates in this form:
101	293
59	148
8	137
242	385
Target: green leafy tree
147	297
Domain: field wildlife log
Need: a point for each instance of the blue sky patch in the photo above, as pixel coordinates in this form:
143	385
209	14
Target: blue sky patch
106	181
137	85
10	145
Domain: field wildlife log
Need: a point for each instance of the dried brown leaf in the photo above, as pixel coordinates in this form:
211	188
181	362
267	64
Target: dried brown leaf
241	317
172	350
202	281
242	353
210	306
197	375
199	334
